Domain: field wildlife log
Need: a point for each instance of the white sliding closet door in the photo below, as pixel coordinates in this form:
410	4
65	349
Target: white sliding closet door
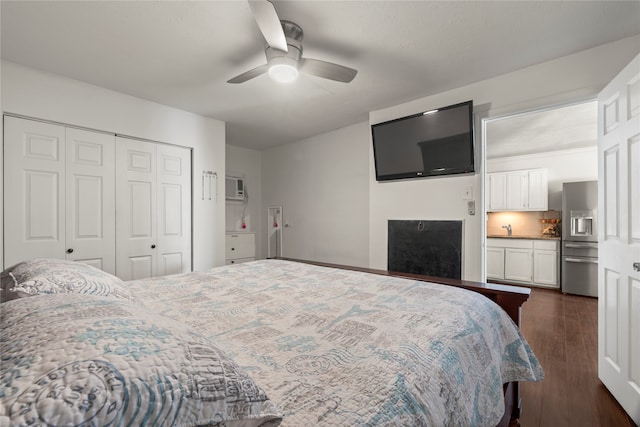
58	193
174	210
90	199
34	190
136	213
153	219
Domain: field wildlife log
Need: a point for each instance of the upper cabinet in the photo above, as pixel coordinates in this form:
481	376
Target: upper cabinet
523	190
538	190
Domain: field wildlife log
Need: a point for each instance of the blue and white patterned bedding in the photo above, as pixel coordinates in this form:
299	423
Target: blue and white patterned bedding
78	360
342	348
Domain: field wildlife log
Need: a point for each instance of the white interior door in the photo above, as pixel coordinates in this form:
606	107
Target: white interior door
34	190
173	248
135	209
619	238
90	198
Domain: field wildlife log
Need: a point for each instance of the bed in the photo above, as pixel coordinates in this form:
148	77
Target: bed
264	343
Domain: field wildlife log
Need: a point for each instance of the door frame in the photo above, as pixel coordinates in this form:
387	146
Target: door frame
485	117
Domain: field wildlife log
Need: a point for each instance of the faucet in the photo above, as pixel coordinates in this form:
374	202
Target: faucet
508	227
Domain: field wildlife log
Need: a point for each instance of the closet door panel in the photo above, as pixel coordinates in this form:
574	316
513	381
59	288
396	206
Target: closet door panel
141	267
135	209
34	191
171	263
174	210
90	201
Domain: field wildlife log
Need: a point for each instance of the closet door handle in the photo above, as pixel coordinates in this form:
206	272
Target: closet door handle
153	246
70	250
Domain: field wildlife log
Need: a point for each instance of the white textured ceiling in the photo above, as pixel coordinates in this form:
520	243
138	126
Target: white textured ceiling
563	128
181	53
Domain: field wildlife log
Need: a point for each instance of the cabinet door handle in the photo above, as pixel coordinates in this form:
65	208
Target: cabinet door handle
636	266
70	250
153	246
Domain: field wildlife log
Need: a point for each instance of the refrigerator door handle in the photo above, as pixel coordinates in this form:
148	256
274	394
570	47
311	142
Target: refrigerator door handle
585	261
579	245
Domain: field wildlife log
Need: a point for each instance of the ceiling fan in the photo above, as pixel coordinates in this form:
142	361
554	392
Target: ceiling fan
284	51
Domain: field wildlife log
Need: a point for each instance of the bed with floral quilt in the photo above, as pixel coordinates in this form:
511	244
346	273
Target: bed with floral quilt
264	343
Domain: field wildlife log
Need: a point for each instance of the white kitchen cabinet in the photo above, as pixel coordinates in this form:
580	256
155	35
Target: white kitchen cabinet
240	247
546	263
517	191
496	191
523	261
518	265
495	263
524	190
538	190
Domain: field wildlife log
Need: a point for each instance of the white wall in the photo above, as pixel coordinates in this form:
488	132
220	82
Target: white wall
30	92
323	186
562	166
568	79
246	162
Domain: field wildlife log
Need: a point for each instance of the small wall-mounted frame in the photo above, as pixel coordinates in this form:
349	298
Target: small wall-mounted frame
274	232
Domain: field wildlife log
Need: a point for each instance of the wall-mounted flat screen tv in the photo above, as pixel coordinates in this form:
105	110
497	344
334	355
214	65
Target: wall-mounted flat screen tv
432	143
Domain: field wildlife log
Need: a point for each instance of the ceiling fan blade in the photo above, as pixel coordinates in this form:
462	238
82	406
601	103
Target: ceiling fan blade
327	70
269	24
248	75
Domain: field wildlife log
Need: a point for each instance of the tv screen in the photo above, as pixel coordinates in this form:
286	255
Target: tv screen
433	143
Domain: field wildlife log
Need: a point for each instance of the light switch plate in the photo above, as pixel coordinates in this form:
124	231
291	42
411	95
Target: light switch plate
468	193
471	207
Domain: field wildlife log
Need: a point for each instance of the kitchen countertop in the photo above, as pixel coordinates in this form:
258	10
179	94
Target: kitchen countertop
518	236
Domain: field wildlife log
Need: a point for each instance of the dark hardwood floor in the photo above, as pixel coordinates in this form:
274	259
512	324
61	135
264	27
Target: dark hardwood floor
563	333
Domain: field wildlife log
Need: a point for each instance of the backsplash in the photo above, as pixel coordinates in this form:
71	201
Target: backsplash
522	223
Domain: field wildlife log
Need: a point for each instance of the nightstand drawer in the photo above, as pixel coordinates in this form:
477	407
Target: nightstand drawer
240	245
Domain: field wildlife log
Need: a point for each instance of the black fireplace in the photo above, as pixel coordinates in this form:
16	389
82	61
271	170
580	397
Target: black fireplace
431	248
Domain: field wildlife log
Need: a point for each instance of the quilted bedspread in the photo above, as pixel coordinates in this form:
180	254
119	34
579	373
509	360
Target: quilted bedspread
344	348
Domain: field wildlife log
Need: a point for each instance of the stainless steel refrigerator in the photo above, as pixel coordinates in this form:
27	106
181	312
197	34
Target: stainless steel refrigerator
580	238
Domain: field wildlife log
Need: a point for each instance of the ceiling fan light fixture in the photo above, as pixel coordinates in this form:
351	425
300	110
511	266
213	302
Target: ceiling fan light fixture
283	70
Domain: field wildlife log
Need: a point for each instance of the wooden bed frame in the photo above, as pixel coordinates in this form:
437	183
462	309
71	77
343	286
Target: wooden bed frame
510	298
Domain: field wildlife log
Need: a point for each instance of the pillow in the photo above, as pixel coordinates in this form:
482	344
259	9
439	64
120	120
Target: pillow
72	359
59	276
7	286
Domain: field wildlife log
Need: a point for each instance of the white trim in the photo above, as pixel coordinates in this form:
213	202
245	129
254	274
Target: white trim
68	125
504	113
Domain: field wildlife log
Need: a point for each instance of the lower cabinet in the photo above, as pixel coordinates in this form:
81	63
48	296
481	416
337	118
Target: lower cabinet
240	247
495	263
524	261
546	263
518	264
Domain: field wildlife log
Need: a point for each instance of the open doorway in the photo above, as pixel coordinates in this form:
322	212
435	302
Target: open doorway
528	157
